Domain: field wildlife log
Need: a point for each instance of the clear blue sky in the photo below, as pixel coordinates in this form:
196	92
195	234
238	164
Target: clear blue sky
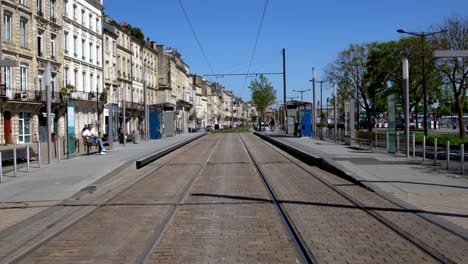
312	32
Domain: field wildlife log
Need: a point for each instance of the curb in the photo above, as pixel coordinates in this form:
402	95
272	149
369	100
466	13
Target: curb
329	165
140	163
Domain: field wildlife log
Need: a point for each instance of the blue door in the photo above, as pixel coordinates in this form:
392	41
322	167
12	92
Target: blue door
155	124
305	117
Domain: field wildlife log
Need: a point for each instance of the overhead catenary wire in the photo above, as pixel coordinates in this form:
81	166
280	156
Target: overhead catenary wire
195	35
256	39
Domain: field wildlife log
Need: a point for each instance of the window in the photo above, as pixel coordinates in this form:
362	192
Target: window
98	50
24	2
40	43
23	30
98	26
23	78
40	11
84	82
53	52
7	77
65	77
53	10
91	79
40	80
24	123
83	49
90	21
65	8
82	17
90	52
75	45
76	79
7	27
65	42
75	13
98	81
107	45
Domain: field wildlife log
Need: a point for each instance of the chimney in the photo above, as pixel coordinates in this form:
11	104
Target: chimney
154	45
148	41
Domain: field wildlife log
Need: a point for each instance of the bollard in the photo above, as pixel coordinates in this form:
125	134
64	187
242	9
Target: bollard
1	168
375	142
58	146
339	134
39	153
424	148
414	144
387	141
14	162
397	143
462	158
448	153
435	151
27	158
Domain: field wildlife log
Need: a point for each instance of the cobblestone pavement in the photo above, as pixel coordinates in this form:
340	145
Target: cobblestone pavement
335	230
227	217
15	212
118	231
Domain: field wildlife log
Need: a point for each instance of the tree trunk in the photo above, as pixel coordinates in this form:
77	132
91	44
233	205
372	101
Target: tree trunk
461	130
369	123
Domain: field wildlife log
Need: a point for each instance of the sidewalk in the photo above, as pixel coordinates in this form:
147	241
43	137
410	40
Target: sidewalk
52	183
407	181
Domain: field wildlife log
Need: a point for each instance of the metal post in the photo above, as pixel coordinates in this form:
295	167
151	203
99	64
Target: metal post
27	158
406	108
49	117
414	144
387	141
39	153
339	134
59	149
448	153
314	108
462	158
435	151
145	103
1	168
424	86
124	121
397	143
335	109
14	162
424	148
376	140
284	92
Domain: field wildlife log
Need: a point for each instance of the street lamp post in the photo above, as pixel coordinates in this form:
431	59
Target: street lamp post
302	92
422	35
321	101
357	90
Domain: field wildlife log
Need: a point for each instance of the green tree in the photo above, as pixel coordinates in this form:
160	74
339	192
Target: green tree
136	33
263	94
454	71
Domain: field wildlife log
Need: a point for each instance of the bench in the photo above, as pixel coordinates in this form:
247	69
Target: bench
7	154
87	145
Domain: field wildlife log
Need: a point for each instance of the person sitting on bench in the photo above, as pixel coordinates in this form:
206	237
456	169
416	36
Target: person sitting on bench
91	138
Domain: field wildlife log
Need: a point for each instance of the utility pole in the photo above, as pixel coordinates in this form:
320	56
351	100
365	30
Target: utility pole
145	103
321	100
49	117
124	118
301	91
335	111
314	108
284	91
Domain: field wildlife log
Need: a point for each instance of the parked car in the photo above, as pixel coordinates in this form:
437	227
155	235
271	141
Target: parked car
209	128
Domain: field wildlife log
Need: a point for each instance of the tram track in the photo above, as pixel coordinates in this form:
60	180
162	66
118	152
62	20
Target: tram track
97	203
434	254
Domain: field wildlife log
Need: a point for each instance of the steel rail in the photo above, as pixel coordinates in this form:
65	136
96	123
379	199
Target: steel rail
304	253
24	254
405	235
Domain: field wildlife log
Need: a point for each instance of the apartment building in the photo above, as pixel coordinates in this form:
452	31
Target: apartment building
83	64
31	35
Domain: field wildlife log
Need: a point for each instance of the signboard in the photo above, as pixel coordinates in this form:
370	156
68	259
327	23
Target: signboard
391	124
305	117
450	53
71	129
